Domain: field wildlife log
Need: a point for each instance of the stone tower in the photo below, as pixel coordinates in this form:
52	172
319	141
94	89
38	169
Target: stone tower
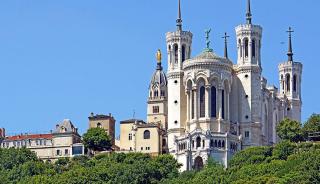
249	73
179	49
290	74
106	122
157	109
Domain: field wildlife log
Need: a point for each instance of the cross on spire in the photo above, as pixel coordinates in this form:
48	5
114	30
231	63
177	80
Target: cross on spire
225	45
179	19
290	53
248	14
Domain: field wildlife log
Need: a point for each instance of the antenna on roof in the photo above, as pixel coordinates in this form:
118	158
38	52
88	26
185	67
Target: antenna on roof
134	114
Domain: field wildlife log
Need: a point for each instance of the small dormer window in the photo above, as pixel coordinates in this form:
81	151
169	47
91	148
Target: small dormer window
63	129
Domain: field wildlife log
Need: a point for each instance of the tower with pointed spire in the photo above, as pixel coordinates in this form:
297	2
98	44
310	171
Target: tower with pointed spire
225	37
249	72
290	75
213	107
179	45
157	109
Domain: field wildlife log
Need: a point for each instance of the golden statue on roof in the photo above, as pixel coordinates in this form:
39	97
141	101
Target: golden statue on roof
159	56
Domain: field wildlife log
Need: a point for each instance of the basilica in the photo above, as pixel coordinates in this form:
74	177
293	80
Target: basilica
202	107
211	107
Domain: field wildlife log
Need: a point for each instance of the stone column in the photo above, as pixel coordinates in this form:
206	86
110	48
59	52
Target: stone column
195	92
250	50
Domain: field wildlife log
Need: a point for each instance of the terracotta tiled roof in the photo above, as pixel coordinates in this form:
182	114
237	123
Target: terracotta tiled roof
24	137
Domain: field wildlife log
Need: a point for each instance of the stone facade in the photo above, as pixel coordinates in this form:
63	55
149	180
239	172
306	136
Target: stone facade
214	107
105	122
138	136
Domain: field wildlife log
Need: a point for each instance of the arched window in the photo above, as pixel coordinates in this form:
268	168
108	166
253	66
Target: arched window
176	53
146	134
211	143
265	126
219	144
223	144
240	48
192	144
253	48
282	82
215	143
99	125
163	93
192	105
222	104
183	53
213	102
198	142
294	83
202	102
246	47
288	82
203	143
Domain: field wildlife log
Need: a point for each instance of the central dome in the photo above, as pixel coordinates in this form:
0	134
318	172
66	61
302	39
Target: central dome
207	57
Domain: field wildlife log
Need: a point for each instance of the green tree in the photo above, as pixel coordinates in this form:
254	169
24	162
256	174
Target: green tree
290	130
97	139
283	150
312	125
12	157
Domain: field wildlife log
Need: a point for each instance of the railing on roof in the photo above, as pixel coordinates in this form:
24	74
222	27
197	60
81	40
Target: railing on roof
314	136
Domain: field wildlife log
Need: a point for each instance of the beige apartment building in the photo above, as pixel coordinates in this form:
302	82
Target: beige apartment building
138	136
64	141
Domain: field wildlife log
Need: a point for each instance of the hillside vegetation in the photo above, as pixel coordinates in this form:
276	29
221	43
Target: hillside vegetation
285	163
292	161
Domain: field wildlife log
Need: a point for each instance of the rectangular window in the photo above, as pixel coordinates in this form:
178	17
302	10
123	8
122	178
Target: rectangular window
141	148
66	152
155	109
130	148
247	134
58	152
130	137
77	150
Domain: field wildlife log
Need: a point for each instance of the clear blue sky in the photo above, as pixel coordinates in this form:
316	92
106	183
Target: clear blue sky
64	59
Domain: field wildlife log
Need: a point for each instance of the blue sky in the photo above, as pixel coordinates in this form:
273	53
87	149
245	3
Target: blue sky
64	59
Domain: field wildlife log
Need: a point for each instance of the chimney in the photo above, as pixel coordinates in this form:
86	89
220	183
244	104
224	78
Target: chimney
2	132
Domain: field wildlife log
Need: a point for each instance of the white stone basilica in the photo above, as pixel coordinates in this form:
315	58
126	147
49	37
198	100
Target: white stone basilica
211	107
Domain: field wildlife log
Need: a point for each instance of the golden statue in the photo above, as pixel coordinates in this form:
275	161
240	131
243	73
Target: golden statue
159	56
